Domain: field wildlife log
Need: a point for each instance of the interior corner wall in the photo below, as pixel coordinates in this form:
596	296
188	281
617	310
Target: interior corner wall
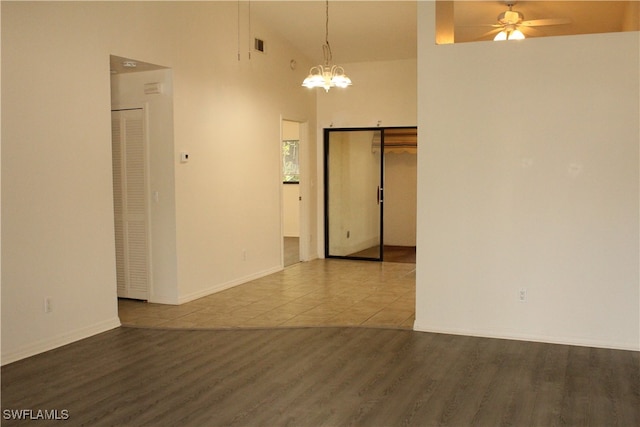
57	208
529	180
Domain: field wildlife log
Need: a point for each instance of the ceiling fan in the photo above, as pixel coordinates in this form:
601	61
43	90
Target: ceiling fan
512	26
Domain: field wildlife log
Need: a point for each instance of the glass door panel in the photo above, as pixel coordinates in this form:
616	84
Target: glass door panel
353	193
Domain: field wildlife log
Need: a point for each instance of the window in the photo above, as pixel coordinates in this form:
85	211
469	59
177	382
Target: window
290	161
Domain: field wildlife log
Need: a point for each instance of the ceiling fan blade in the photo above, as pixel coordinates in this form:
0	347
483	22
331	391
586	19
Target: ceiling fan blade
531	31
481	25
489	33
543	22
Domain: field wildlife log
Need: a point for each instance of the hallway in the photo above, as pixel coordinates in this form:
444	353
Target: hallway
317	293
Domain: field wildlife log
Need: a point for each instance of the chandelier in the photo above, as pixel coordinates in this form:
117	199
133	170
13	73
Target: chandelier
326	75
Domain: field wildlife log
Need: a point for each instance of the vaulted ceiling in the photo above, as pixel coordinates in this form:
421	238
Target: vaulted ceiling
377	30
386	30
358	30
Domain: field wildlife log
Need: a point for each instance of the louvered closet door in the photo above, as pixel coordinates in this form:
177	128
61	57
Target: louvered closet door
130	203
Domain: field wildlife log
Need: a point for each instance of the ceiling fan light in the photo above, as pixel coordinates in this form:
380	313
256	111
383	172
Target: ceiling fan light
501	36
508	34
516	35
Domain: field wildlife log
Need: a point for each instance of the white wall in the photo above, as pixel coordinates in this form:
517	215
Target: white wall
400	198
57	213
383	93
230	190
529	178
291	209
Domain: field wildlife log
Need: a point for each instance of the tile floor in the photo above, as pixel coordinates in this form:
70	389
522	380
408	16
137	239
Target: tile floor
324	292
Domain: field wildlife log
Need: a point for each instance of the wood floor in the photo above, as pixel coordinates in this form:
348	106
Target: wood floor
323	377
404	254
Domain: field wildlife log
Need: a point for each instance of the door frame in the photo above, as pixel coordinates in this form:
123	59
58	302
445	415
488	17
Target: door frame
144	107
304	252
326	134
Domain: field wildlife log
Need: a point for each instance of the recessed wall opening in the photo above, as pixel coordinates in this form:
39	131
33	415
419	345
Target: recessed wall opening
144	190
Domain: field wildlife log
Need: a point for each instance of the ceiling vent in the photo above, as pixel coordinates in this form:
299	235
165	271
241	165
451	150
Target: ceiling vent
258	44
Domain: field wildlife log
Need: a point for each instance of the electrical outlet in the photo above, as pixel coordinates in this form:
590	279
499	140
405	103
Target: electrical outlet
522	295
47	305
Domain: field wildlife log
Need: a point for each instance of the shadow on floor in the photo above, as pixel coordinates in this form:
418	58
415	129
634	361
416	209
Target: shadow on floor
404	254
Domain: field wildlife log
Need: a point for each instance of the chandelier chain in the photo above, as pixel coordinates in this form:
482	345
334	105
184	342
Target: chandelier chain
327	52
328	75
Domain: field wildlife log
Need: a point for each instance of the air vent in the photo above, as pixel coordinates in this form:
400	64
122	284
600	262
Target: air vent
152	88
258	45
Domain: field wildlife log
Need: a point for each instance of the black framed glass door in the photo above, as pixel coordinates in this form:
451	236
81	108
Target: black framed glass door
354	176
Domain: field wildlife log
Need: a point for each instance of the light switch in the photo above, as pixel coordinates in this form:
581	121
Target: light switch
184	157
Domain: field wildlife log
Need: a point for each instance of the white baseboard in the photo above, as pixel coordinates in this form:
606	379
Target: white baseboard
164	299
58	341
222	286
581	342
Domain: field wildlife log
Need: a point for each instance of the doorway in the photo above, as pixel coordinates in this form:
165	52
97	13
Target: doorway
146	89
131	211
370	193
291	192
